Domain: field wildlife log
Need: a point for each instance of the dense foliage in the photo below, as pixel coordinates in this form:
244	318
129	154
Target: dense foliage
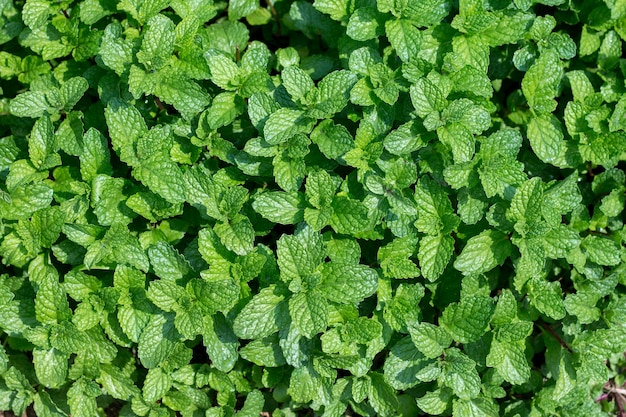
392	207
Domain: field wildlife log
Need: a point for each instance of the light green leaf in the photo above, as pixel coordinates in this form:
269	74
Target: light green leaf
156	384
483	252
309	313
349	216
510	361
468	319
167	262
163	177
224	110
404	37
547	297
297	83
157	341
125	125
261	316
364	24
459	374
545	134
541	82
221	343
402	364
333	140
81	398
280	207
347	283
429	339
95	158
381	395
237	234
601	250
116	383
300	254
50	367
434	254
427	98
285	123
263	352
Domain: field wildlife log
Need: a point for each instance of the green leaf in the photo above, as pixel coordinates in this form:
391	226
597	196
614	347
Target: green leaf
347	283
427	98
30	104
237	234
547	297
334	92
125	125
163	177
365	24
280	207
51	305
116	383
601	250
42	146
475	407
285	123
261	316
381	395
541	82
403	363
187	96
50	367
167	262
224	110
125	247
545	134
425	13
300	254
336	9
483	252
309	313
72	91
468	319
429	339
81	397
221	343
435	402
434	254
349	216
216	292
95	158
156	384
404	37
459	373
297	83
527	201
263	352
510	361
158	42
108	200
333	140
241	8
157	341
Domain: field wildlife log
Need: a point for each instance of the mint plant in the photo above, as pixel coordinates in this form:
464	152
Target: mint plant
326	207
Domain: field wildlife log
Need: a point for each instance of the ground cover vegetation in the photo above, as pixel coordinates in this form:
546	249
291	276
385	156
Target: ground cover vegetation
326	207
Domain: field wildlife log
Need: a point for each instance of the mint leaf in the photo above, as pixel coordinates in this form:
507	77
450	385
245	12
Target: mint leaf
284	123
541	82
483	253
467	320
260	317
309	313
347	283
